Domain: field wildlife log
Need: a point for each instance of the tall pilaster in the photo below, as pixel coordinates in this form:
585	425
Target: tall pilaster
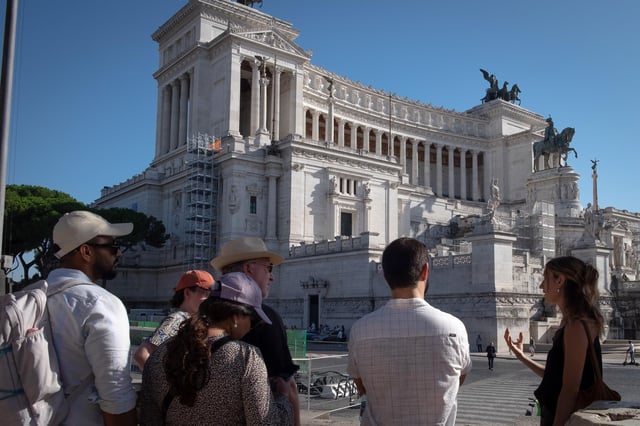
234	95
175	115
165	129
184	109
378	141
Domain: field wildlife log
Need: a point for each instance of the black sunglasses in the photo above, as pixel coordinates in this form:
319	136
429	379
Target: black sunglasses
114	247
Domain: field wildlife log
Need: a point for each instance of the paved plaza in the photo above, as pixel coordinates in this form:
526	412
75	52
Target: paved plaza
498	397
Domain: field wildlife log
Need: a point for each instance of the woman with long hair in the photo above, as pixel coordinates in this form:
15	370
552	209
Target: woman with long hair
572	285
205	375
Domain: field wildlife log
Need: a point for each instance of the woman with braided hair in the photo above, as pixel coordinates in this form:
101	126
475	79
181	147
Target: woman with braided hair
206	375
572	285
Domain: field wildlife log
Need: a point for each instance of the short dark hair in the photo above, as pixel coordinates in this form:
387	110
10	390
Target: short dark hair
403	261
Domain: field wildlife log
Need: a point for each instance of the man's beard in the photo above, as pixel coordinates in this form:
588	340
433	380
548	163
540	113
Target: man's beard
106	273
110	274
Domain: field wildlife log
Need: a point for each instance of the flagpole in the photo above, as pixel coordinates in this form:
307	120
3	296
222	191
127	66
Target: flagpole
6	85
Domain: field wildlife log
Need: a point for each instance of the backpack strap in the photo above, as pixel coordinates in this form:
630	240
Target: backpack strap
71	282
166	402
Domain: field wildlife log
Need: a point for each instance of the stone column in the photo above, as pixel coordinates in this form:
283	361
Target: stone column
403	154
452	189
184	109
378	141
255	98
427	164
463	174
365	138
474	175
165	132
175	116
341	123
275	134
330	124
486	187
414	162
263	134
315	124
354	135
439	169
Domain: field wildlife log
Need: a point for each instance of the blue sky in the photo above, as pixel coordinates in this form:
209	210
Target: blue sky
84	99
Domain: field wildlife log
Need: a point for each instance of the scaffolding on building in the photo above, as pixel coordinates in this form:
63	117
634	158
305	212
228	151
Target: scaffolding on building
201	196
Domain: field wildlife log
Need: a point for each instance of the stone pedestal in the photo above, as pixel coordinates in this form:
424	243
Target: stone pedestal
597	256
492	261
558	186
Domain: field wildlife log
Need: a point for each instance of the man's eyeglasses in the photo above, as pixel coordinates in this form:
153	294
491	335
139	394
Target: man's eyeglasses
113	246
269	266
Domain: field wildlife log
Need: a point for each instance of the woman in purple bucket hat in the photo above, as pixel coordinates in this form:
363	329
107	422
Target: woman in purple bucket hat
206	375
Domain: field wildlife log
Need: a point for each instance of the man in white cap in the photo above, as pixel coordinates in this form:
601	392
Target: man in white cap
90	325
250	255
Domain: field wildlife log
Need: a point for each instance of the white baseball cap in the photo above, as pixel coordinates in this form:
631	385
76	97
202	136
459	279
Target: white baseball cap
78	227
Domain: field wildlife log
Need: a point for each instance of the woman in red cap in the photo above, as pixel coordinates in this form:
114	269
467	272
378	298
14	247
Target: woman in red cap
192	289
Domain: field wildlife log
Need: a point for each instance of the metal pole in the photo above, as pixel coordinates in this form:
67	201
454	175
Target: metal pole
6	84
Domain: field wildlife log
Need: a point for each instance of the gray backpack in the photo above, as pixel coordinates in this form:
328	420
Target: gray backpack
31	390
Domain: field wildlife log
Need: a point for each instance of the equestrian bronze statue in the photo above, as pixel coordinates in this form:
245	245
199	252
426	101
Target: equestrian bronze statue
553	143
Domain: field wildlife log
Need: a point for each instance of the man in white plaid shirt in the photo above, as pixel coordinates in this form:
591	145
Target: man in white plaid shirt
408	357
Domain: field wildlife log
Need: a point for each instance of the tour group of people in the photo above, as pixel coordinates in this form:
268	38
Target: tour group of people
221	356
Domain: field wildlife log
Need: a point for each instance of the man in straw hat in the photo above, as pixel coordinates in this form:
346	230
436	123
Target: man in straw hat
90	325
251	256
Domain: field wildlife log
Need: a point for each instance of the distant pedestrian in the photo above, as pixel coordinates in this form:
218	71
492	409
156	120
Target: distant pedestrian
631	350
532	346
491	354
479	343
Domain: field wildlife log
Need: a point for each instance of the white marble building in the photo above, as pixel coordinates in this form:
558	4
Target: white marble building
253	139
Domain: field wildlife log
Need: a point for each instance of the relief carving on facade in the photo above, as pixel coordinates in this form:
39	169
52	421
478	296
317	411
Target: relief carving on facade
233	200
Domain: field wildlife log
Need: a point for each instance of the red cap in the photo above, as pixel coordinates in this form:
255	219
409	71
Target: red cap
195	278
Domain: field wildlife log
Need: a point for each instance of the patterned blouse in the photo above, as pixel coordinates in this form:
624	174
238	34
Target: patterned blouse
237	393
169	327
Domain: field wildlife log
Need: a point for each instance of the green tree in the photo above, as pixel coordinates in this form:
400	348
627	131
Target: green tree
29	216
32	211
147	230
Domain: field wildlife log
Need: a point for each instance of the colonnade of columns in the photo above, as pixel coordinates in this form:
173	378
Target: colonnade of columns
265	115
174	114
417	161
